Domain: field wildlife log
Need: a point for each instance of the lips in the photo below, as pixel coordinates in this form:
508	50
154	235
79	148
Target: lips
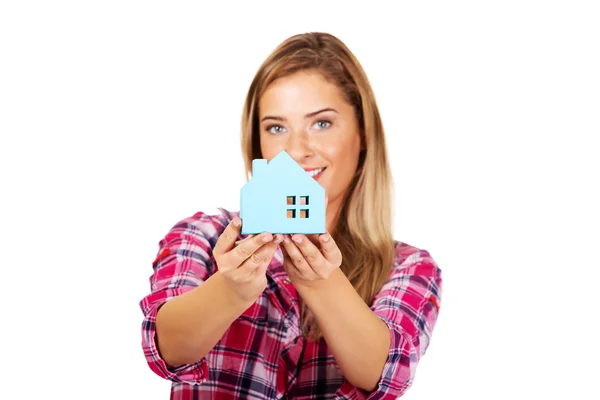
315	172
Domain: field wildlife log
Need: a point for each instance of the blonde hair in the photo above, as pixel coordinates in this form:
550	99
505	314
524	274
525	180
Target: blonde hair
364	226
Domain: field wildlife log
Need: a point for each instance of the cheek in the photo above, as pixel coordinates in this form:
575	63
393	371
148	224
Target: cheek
333	150
343	154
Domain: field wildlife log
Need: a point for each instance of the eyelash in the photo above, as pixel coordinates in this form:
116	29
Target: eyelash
326	121
271	127
279	126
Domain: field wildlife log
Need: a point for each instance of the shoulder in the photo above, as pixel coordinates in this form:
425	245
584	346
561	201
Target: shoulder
202	225
414	271
413	258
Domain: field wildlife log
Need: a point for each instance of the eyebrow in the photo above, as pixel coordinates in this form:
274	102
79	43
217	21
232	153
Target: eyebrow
309	115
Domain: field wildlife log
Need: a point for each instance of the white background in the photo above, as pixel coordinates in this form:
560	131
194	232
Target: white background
120	118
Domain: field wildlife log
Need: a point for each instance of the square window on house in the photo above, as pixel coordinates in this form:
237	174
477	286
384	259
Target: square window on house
304	200
291	200
291	213
303	213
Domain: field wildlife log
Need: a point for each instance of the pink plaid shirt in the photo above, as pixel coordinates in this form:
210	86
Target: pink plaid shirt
263	354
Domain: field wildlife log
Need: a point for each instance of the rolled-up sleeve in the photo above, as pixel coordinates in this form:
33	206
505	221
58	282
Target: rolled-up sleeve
408	303
183	263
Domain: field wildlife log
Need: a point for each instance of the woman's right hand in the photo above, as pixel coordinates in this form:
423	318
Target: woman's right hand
243	265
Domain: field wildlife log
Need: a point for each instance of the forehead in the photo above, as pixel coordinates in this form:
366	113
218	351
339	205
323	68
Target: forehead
300	93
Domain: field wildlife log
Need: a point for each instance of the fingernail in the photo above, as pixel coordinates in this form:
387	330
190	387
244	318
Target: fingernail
266	238
286	239
277	239
325	237
297	239
236	221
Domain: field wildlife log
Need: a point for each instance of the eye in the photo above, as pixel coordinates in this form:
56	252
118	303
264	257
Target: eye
322	124
275	129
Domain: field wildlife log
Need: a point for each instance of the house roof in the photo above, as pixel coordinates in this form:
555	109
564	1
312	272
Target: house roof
283	167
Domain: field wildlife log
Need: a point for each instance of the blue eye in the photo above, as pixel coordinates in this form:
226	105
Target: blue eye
323	124
275	129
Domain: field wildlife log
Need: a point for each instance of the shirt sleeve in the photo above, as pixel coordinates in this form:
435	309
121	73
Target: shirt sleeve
184	262
408	303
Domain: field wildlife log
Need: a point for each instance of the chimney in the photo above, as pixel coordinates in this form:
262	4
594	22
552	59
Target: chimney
258	167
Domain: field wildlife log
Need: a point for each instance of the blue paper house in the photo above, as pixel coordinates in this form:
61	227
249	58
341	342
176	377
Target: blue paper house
282	198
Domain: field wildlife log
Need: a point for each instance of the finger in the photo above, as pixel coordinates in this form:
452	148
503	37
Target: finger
314	238
284	253
227	239
237	242
261	257
330	250
296	258
267	251
270	250
290	268
278	235
286	258
311	253
247	248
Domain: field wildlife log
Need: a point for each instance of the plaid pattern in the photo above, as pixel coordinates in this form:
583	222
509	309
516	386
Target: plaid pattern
258	356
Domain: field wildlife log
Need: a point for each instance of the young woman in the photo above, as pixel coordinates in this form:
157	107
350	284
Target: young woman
346	314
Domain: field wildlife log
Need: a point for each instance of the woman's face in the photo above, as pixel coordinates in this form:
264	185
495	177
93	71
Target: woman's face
307	117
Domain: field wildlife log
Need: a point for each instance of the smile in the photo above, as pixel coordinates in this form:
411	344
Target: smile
315	173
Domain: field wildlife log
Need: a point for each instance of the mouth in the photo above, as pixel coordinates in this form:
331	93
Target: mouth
316	173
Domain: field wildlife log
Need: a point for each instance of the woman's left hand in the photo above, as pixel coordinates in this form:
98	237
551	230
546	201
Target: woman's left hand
312	258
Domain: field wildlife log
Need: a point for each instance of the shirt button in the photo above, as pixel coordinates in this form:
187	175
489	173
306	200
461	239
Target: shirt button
287	281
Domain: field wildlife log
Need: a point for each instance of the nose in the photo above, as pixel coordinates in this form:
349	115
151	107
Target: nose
299	146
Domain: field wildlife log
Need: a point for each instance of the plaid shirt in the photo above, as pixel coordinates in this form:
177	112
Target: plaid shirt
258	357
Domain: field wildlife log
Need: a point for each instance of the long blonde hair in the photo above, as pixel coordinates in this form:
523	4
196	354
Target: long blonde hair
364	227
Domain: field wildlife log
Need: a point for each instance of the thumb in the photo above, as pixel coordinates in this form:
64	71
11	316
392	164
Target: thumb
227	239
